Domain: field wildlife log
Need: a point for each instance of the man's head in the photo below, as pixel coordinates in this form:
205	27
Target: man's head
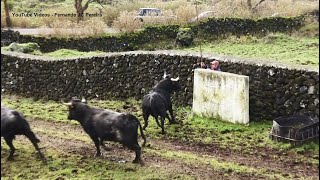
214	65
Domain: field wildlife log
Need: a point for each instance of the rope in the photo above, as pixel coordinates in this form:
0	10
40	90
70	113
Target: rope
200	47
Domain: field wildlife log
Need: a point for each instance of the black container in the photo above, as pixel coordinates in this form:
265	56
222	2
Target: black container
296	129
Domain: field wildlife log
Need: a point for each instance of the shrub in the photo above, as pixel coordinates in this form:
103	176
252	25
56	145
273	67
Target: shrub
185	37
32	48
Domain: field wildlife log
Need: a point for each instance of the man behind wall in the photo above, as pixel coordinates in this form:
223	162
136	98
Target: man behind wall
214	65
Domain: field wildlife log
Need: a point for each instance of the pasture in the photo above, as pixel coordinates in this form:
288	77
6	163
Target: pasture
278	48
274	47
195	148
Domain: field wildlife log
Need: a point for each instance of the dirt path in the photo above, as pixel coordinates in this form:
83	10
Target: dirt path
72	139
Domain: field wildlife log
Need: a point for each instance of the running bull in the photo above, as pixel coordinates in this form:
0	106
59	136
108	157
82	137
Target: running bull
106	125
158	101
13	123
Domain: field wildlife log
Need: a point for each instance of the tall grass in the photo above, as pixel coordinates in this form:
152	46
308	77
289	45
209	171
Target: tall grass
127	22
67	28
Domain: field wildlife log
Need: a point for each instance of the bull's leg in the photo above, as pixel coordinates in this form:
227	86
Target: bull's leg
167	116
137	149
34	140
157	121
172	120
145	117
162	124
8	140
95	139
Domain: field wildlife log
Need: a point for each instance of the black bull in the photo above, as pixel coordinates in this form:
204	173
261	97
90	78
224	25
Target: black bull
158	101
101	125
13	123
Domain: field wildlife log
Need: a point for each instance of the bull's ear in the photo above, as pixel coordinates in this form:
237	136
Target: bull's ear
83	100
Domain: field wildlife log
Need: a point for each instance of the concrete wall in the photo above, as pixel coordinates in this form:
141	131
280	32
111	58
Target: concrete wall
275	89
221	95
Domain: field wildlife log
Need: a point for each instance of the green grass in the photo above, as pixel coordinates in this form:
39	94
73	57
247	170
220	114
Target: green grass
63	53
226	167
191	129
61	165
274	47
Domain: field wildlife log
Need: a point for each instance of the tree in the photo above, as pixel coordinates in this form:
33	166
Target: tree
80	9
6	9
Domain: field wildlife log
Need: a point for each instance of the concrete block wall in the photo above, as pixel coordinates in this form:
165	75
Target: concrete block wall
221	95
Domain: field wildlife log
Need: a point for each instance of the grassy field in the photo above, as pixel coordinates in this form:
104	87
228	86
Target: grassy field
190	129
282	48
276	47
62	53
196	148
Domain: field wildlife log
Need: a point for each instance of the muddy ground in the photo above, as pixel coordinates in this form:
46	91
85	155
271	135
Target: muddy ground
71	139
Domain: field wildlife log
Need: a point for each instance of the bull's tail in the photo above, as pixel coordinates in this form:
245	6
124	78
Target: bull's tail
142	134
141	130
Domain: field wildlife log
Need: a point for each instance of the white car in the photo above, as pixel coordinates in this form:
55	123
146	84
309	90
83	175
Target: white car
143	12
150	13
202	16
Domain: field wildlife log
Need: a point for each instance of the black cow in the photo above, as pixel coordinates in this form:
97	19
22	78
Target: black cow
158	101
13	123
101	125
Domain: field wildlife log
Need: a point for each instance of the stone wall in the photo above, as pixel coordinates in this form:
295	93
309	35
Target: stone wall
274	90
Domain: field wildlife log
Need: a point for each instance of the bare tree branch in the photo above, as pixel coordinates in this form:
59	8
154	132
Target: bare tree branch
85	7
249	4
80	9
255	7
99	2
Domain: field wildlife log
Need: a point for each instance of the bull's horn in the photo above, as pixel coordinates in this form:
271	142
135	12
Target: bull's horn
164	75
176	79
68	104
83	100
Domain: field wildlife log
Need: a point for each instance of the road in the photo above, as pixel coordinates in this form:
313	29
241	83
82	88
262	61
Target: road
37	31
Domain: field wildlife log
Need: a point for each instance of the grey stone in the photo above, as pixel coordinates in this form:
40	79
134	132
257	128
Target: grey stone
316	101
303	89
311	90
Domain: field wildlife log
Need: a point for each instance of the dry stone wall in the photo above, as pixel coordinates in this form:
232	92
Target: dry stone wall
274	90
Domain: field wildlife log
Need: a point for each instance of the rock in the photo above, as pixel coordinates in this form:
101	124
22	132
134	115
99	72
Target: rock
24	48
316	101
311	90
